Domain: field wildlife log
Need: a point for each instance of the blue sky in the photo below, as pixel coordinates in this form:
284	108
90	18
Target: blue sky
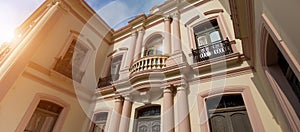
116	13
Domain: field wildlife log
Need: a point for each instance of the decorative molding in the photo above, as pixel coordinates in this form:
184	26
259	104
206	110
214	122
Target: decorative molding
213	11
191	20
110	54
33	105
286	100
245	91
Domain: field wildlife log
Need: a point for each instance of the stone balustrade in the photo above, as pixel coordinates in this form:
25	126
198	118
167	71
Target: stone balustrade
149	63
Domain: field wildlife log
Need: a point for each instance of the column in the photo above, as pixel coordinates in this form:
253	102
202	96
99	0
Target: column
18	57
167	36
183	110
176	34
126	112
168	111
138	48
116	115
131	49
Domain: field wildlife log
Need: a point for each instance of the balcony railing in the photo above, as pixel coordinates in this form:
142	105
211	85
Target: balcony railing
106	81
149	63
65	68
213	50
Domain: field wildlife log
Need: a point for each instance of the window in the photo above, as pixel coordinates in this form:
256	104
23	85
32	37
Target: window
99	121
113	72
44	117
115	67
209	41
148	119
70	64
207	33
283	74
154	47
228	113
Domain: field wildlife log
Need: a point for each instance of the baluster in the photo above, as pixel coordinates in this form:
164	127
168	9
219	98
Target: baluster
159	65
140	65
153	63
163	61
150	63
144	65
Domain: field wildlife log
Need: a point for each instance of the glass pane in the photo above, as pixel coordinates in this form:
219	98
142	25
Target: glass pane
158	52
115	67
202	40
289	75
215	36
149	111
150	52
102	116
224	101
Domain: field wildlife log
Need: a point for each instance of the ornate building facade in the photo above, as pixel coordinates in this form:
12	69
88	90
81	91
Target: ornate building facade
190	65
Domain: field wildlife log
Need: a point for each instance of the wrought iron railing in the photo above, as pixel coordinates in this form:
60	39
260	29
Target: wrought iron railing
106	81
149	63
213	50
65	68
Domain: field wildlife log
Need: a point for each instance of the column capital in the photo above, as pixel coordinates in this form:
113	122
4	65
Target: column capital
128	98
167	18
176	15
168	89
63	6
141	30
119	99
181	86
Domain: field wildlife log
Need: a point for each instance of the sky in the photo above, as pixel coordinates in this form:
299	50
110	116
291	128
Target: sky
116	13
12	14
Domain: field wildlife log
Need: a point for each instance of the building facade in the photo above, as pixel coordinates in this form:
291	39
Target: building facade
193	65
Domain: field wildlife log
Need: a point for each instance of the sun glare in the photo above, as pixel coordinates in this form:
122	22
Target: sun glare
6	34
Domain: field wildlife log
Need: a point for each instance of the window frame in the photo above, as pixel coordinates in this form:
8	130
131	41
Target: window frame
82	41
222	29
240	108
269	72
94	123
33	105
118	52
252	111
150	45
148	117
99	110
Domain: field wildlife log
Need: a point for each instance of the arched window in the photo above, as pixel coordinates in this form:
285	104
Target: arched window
44	117
148	119
228	113
154	46
281	72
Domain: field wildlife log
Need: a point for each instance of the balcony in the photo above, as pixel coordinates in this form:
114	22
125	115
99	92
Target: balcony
65	68
106	81
149	63
213	50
